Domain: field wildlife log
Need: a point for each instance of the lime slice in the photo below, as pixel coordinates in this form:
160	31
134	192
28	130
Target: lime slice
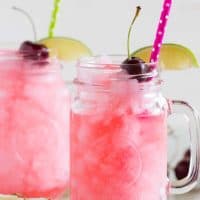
172	56
67	49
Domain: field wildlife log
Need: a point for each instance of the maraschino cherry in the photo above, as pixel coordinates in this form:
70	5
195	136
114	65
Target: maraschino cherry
34	51
182	168
133	65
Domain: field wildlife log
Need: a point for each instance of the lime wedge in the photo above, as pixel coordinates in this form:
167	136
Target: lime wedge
172	56
67	49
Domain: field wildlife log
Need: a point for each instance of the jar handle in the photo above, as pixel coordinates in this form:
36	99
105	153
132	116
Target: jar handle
189	182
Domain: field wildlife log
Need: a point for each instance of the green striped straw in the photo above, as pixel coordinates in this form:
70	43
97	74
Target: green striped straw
54	17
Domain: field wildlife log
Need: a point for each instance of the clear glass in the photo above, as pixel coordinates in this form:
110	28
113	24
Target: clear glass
119	134
185	89
34	127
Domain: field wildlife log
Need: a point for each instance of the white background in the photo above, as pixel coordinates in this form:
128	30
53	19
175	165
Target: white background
103	24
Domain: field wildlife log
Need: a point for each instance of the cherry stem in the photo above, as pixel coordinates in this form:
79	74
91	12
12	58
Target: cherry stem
29	18
138	8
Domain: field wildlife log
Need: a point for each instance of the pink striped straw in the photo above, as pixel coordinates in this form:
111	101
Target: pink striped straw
160	31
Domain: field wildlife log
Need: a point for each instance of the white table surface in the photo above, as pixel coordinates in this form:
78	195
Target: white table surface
194	195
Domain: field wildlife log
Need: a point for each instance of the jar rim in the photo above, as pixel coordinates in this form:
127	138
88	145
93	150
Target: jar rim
34	64
18	55
115	60
114	64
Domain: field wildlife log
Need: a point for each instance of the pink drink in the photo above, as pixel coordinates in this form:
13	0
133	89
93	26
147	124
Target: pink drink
33	127
118	140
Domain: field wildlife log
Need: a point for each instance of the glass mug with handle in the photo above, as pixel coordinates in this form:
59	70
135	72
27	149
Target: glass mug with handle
118	133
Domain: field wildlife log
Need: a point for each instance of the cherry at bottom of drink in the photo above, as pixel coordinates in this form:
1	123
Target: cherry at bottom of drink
118	144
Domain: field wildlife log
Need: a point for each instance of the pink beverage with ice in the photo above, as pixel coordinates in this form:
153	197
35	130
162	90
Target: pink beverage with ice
119	135
33	126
